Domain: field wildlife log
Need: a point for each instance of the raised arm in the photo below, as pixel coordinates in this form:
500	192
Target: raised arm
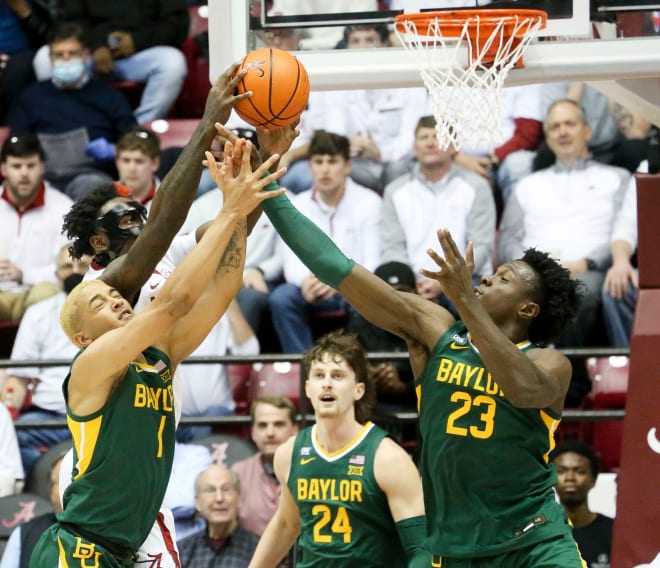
284	528
405	315
171	321
242	193
175	195
536	378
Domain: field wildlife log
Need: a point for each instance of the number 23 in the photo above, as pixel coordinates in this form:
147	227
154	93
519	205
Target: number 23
467	402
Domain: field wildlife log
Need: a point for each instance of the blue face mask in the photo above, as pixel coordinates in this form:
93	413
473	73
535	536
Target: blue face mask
68	72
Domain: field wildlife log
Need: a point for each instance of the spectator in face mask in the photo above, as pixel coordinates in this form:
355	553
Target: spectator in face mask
77	117
37	391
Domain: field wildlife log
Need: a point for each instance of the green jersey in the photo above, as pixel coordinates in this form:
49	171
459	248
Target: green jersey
488	486
123	456
345	519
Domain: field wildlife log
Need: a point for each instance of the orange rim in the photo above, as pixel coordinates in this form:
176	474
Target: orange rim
452	21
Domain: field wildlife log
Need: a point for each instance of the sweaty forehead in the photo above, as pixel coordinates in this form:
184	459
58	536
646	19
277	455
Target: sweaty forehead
90	288
522	270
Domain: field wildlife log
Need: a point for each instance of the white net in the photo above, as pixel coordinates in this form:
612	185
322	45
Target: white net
465	85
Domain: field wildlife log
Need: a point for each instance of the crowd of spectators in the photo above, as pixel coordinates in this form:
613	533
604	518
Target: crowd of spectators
366	168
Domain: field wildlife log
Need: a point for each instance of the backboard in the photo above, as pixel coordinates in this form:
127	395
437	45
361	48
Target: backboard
567	50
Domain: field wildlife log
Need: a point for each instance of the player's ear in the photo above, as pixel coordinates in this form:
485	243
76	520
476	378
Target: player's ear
81	340
529	310
359	391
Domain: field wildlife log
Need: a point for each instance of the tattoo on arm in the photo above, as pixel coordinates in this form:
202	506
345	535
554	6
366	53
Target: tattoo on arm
232	259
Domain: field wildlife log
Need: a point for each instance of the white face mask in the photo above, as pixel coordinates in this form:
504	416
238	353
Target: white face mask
68	72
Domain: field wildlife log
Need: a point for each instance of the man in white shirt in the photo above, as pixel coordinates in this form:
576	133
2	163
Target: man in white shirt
622	280
378	122
137	157
11	468
567	209
39	389
349	214
437	193
30	223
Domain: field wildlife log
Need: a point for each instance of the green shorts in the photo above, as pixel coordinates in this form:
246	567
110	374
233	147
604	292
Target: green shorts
558	552
58	547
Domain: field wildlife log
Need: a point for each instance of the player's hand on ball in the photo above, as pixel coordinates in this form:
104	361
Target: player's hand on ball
221	98
277	140
243	189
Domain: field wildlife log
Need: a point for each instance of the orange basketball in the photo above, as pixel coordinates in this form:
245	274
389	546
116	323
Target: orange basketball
279	85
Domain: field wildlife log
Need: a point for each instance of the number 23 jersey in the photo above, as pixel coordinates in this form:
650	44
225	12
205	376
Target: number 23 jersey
487	481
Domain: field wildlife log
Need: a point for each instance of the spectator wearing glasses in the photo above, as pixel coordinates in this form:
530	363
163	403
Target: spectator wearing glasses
223	542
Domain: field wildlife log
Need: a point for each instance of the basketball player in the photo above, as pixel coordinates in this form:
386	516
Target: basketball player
126	250
128	271
490	397
119	387
352	494
107	223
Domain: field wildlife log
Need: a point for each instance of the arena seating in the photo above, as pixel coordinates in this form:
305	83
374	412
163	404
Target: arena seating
38	481
240	376
609	377
191	100
18	509
173	133
276	379
226	449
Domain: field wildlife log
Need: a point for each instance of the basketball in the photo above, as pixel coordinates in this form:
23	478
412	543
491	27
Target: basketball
279	85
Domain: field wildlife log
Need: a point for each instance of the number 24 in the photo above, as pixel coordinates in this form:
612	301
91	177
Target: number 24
340	525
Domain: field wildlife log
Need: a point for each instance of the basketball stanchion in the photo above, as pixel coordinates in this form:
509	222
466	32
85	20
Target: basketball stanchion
279	85
465	84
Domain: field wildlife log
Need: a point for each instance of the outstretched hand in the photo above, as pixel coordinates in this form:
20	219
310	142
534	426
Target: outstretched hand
225	135
221	97
455	274
277	140
243	189
236	146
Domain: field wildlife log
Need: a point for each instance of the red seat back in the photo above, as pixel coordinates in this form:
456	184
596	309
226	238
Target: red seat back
240	376
277	379
609	378
173	133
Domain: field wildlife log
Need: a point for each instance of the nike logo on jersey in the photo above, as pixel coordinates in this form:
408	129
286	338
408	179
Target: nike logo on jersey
456	347
305	461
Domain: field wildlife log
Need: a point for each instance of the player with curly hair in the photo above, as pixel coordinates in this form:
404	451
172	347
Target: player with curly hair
490	395
351	496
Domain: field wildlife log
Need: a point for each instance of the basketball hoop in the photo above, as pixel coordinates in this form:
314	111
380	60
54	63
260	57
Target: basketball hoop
465	92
